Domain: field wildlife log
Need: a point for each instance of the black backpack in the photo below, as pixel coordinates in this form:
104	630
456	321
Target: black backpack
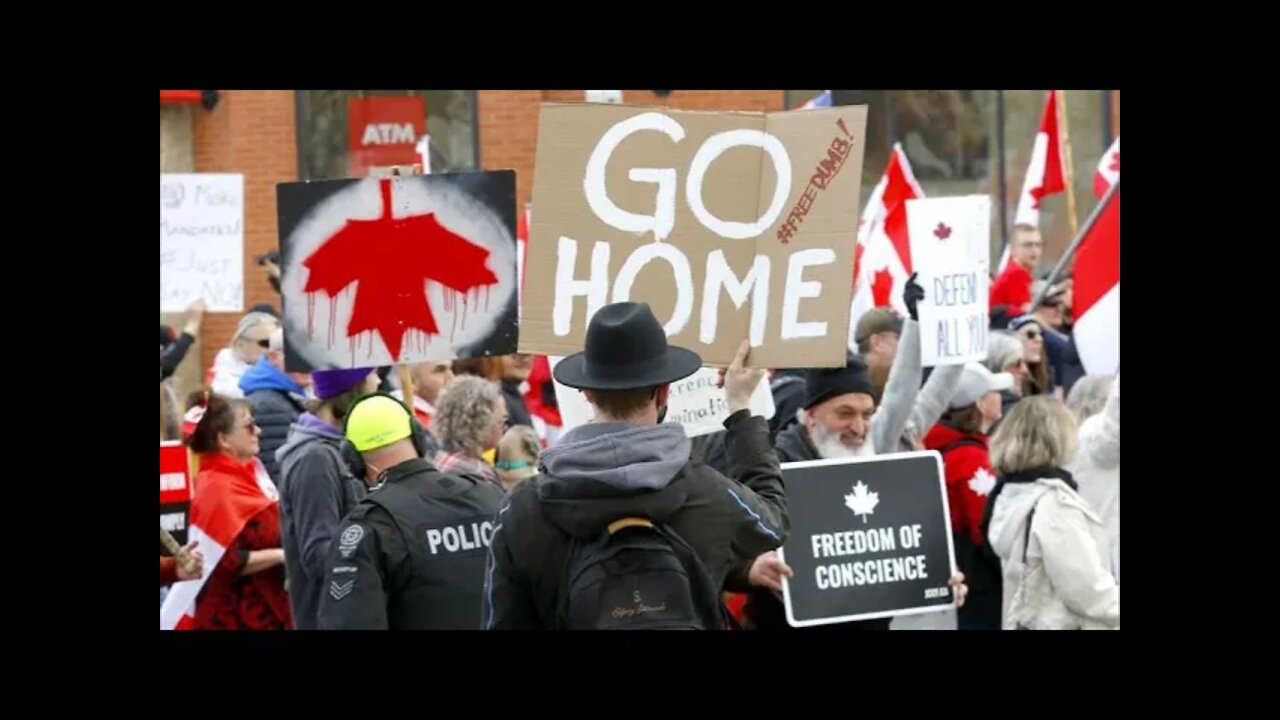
638	575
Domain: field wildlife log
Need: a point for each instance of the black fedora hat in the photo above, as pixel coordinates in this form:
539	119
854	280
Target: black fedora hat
626	349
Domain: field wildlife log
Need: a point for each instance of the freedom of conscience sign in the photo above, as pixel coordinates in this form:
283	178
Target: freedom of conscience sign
729	225
870	538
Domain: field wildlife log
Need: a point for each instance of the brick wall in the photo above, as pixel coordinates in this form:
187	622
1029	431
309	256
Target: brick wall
253	132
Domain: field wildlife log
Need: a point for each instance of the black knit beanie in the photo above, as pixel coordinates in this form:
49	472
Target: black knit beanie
825	383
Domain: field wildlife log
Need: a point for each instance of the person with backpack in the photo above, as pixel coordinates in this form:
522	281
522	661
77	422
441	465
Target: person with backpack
620	529
411	554
961	438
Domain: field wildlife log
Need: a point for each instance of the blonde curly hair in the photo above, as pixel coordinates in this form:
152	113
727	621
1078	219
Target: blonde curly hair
466	413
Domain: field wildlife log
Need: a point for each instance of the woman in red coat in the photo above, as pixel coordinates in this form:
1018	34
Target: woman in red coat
236	507
961	438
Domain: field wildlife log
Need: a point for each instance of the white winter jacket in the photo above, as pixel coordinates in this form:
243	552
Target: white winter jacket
1066	583
1097	470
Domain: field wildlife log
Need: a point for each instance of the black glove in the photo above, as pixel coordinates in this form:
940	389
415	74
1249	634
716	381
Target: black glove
912	294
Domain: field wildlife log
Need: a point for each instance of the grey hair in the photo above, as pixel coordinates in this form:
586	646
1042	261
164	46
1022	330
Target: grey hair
466	412
253	320
1004	348
1038	432
1089	395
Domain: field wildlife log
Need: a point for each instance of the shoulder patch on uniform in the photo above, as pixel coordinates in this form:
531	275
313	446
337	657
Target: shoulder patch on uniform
339	590
349	539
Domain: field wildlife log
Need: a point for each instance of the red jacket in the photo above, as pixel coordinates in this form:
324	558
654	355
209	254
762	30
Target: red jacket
1013	287
969	474
168	570
227	494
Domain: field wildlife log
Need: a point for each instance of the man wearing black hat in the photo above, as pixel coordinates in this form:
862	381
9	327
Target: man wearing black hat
628	468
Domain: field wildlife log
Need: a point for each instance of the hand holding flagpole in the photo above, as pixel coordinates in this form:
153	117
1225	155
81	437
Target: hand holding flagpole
1075	243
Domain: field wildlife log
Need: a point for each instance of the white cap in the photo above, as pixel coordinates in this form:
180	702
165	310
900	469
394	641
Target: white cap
976	381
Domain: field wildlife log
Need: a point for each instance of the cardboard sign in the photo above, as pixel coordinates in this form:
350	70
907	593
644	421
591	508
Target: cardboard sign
175	490
391	270
695	402
202	242
950	238
870	537
730	225
384	131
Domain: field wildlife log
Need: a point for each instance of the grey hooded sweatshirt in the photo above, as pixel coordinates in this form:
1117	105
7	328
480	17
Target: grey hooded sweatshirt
316	492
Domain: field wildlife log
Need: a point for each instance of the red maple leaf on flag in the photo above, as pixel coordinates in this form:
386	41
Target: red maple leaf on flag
942	232
391	259
1115	161
882	287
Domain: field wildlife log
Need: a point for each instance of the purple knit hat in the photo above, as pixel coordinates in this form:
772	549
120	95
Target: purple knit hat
329	383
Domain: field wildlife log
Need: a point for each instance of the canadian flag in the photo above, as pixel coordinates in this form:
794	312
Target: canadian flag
219	511
1108	170
1097	292
522	249
1044	173
546	420
882	256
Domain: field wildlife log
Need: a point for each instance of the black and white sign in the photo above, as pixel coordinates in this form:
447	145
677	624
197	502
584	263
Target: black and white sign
950	242
870	538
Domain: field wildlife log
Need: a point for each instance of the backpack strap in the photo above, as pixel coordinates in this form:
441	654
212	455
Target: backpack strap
627	522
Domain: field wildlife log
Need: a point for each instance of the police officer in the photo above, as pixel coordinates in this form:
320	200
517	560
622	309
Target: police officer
411	555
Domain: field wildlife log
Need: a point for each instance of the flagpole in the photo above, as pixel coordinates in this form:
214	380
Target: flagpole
1069	168
1075	244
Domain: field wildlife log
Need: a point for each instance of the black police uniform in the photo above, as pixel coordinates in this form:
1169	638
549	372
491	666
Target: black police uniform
411	555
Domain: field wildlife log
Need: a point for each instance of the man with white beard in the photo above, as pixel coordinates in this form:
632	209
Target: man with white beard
835	420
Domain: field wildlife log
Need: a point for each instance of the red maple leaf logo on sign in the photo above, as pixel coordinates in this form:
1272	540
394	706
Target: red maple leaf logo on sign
391	259
942	232
1115	161
882	287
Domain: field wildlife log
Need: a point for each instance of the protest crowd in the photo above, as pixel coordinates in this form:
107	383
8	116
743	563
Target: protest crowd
461	492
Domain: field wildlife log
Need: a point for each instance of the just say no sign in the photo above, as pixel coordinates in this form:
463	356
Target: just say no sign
730	225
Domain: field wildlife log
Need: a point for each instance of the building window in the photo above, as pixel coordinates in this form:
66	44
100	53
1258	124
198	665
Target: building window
335	143
952	139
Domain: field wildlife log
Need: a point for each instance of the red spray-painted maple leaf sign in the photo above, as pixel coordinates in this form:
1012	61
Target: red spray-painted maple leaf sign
942	232
389	260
